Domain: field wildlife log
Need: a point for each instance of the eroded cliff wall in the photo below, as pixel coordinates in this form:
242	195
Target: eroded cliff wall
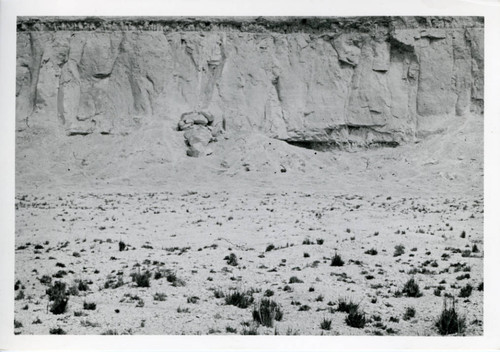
373	79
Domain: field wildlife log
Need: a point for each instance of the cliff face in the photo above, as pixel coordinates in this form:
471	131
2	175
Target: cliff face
368	80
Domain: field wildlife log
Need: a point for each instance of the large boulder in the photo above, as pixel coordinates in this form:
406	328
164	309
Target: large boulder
197	138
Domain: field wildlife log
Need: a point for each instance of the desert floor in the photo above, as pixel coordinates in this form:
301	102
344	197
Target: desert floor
284	228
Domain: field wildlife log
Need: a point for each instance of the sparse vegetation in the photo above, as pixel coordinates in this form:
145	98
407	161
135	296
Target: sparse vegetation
239	299
231	259
449	321
141	279
326	324
59	296
266	311
465	291
295	280
336	260
409	313
399	250
411	288
89	305
57	331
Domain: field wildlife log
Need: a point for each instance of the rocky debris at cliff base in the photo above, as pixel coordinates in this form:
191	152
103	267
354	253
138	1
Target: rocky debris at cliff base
199	131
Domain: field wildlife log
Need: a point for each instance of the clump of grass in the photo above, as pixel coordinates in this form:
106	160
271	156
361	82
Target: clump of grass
17	324
193	299
399	250
266	312
475	249
141	279
46	280
89	305
307	242
20	295
320	241
121	246
174	279
231	330
462	234
409	313
231	259
337	260
239	299
269	293
356	319
449	321
326	324
371	251
346	305
411	288
480	287
160	296
306	255
295	280
250	331
270	248
465	291
59	296
57	331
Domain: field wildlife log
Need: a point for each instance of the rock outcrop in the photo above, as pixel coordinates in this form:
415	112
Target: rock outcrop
363	80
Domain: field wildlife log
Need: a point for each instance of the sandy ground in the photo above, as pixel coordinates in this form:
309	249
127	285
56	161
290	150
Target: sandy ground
426	197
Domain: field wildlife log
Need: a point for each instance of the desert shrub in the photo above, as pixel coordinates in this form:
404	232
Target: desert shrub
193	299
89	305
159	296
346	305
462	234
371	251
320	241
295	280
121	246
399	250
326	324
480	287
174	279
449	321
307	241
36	321
337	260
182	310
411	288
57	331
110	332
231	259
437	291
270	248
356	319
287	288
475	249
239	299
59	296
83	285
304	308
17	324
141	279
19	296
269	293
250	331
409	313
231	330
266	312
306	255
465	291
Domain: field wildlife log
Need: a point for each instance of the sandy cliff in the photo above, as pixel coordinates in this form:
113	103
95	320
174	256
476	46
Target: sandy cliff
381	79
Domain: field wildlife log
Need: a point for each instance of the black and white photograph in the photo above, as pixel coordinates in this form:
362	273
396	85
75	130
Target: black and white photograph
314	175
